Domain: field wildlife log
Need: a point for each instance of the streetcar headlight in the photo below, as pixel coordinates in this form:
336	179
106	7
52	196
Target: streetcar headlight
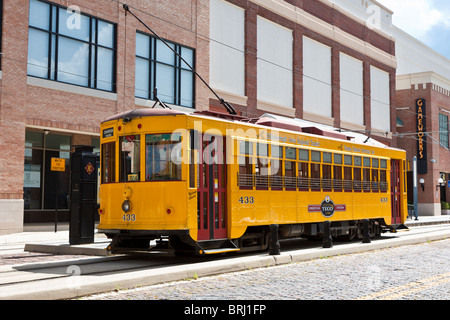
126	206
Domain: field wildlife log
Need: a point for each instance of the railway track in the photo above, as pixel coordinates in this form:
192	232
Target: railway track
65	277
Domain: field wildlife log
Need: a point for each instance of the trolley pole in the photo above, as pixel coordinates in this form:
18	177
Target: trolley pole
416	212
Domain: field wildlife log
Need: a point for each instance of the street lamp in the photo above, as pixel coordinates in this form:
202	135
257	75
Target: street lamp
422	183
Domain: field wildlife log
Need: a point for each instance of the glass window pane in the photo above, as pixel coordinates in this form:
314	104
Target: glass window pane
188	56
142	45
74	24
53	179
327	157
246	147
130	158
277	151
142	78
108	162
383	163
162	157
262	149
34	139
315	156
165	82
39	14
73	64
303	155
105	75
291	153
38	53
357	161
53	141
337	158
164	54
348	160
375	163
105	34
32	179
187	89
366	162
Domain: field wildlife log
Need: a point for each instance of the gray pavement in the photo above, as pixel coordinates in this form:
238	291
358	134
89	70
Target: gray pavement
110	281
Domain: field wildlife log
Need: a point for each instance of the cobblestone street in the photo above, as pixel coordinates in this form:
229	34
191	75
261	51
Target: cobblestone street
408	272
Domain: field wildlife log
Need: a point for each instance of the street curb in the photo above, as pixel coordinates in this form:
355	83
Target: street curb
98	249
74	287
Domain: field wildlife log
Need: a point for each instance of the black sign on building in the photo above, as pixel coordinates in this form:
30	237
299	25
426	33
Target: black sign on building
422	165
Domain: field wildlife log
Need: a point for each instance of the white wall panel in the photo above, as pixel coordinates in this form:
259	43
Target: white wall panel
227	62
380	100
351	84
316	77
274	64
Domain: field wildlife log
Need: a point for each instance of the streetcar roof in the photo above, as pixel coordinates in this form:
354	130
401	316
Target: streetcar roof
290	124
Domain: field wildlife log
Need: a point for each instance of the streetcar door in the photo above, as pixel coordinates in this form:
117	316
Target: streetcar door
211	190
395	191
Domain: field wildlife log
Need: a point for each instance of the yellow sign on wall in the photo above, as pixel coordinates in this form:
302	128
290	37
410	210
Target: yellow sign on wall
58	164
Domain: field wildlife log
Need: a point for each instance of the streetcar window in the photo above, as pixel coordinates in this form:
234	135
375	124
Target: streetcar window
262	149
375	179
383	163
337	177
337	158
348	178
108	162
246	147
262	172
366	162
366	179
289	174
303	176
383	180
277	151
303	155
130	158
326	176
327	157
291	153
315	176
315	156
375	163
348	160
356	178
357	161
162	157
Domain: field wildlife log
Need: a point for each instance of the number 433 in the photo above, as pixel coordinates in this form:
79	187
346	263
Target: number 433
246	200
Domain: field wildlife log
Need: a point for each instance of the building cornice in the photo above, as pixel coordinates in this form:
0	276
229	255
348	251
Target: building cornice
439	83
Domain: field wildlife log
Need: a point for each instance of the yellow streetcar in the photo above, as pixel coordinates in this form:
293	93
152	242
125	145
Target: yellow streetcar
211	183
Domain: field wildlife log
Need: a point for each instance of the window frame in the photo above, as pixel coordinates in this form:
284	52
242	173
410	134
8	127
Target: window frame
93	44
444	130
178	67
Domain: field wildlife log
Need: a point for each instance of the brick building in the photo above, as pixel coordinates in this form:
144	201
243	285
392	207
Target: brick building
67	65
423	77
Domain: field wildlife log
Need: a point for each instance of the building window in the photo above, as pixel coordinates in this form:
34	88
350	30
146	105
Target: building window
316	77
443	130
275	63
227	47
380	100
70	47
157	66
40	182
351	89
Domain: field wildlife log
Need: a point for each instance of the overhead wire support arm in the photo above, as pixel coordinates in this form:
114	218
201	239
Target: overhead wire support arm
229	108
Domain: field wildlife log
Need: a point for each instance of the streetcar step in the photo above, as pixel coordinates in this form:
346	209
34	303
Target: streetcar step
220	250
398	228
216	246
